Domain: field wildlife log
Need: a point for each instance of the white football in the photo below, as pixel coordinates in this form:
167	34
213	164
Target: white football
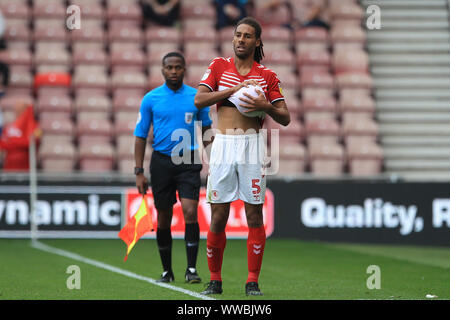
252	91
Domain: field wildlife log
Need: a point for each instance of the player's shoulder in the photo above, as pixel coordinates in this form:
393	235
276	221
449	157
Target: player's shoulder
266	71
220	61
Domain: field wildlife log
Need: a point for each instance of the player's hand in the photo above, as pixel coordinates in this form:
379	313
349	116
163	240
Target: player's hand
141	184
246	83
258	103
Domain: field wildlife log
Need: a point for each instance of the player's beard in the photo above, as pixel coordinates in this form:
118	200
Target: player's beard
242	55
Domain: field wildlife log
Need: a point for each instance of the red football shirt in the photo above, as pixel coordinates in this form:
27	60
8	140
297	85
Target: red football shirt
222	74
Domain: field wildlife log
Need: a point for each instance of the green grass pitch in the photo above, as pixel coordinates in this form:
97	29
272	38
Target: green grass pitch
292	270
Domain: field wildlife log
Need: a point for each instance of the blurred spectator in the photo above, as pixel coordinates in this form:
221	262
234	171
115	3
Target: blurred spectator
229	12
1	122
4	68
312	14
161	12
15	139
315	17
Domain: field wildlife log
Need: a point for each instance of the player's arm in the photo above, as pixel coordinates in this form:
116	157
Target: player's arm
277	110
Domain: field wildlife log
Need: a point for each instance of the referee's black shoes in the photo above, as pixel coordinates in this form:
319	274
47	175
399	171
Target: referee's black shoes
167	276
192	276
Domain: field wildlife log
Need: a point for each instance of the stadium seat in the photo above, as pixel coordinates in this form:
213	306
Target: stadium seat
54	103
326	159
347	10
316	108
322	131
158	34
313	61
96	157
57	157
9	101
348	35
350	60
49	9
363	130
20	78
198	11
292	158
364	159
129	80
89	35
311	79
16	57
351	106
90	57
91	81
93	103
15	9
277	17
157	50
90	10
200	35
17	33
353	80
293	133
129	11
201	58
57	126
126	34
50	34
60	58
127	100
101	128
280	57
128	58
308	38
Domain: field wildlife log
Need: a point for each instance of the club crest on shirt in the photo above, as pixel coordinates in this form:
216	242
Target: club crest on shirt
188	116
281	89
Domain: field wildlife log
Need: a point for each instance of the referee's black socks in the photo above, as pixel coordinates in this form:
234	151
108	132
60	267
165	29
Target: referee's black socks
164	240
192	237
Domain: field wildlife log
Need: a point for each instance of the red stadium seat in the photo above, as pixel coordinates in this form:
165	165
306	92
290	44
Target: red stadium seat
92	34
96	157
326	159
16	57
198	11
309	79
321	60
277	17
129	80
127	101
315	108
292	158
52	79
15	10
20	78
93	103
354	35
124	11
57	126
200	35
322	131
95	127
359	131
126	34
50	34
54	103
163	34
90	57
57	157
364	159
350	60
91	81
283	57
353	80
356	106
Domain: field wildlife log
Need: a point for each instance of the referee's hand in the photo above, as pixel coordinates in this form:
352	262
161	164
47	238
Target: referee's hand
141	183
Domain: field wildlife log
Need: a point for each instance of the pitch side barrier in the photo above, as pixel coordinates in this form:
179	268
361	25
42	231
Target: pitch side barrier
376	211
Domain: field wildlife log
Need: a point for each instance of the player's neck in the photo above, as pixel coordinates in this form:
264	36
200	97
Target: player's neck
243	66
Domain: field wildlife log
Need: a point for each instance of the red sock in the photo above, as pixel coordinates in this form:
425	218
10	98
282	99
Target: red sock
255	249
215	245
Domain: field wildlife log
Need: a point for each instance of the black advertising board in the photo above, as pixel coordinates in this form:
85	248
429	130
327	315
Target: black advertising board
61	211
352	211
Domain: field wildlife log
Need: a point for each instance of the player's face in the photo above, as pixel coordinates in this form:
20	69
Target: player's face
245	41
173	70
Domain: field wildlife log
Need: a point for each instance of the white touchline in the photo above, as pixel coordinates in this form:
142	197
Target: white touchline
41	246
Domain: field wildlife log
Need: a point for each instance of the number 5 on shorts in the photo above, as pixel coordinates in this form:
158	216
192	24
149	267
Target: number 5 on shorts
255	186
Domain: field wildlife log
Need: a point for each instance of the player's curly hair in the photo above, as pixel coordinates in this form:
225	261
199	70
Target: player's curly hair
259	52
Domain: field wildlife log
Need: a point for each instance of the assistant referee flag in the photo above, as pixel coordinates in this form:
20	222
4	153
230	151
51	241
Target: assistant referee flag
137	226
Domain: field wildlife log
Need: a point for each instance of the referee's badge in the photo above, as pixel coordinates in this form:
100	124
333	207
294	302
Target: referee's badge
188	116
139	118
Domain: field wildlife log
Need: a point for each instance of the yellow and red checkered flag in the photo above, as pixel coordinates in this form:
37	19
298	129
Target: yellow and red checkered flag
137	226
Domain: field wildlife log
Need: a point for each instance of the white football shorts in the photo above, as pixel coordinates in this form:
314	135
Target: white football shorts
236	169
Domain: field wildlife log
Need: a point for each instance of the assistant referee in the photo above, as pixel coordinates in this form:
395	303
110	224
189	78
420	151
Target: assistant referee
170	108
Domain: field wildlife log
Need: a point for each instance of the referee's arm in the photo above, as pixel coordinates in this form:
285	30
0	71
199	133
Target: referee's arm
139	152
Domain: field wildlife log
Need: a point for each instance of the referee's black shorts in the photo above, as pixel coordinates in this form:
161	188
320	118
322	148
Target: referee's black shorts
166	178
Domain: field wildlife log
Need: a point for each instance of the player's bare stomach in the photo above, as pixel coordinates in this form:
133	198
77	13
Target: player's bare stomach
231	121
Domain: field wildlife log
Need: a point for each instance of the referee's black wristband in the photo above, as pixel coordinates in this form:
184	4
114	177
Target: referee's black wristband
138	170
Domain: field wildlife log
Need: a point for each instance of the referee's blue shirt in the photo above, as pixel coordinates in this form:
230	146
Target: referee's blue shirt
170	110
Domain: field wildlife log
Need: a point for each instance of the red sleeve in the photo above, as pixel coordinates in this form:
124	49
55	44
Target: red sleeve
209	78
274	90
